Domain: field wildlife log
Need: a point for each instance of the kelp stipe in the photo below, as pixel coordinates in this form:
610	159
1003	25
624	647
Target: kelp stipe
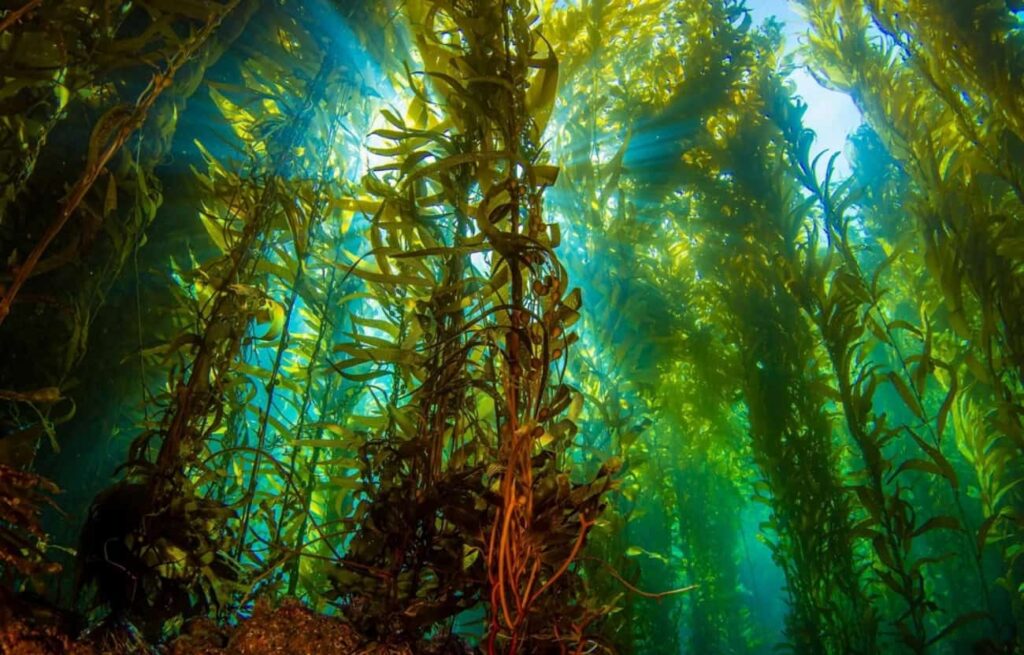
962	192
173	543
476	310
303	276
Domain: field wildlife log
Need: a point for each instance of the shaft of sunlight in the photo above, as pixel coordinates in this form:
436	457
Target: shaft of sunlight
832	115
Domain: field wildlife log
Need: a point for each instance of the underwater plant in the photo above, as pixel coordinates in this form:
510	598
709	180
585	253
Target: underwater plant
511	326
475	347
962	193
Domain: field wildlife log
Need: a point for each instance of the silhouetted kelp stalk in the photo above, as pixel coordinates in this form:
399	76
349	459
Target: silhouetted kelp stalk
981	76
312	282
155	546
304	229
955	137
637	336
810	513
736	174
276	544
112	132
844	306
85	43
69	286
708	90
308	204
319	444
973	225
837	299
81	30
463	478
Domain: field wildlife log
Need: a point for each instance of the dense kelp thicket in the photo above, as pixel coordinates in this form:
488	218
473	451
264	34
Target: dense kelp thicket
500	326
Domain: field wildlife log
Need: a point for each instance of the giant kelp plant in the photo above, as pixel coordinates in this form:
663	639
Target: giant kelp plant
510	326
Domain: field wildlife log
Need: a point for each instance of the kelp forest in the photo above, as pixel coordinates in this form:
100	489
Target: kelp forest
508	327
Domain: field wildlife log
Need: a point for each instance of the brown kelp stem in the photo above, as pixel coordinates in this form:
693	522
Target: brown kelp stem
14	15
955	138
110	134
473	347
304	234
313	366
841	311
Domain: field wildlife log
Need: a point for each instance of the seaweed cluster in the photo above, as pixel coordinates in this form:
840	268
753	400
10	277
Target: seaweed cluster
499	326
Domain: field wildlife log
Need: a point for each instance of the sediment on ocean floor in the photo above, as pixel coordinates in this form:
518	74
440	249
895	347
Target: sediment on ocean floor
284	628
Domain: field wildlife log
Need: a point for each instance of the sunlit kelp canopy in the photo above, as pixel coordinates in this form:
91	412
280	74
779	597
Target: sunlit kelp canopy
511	327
